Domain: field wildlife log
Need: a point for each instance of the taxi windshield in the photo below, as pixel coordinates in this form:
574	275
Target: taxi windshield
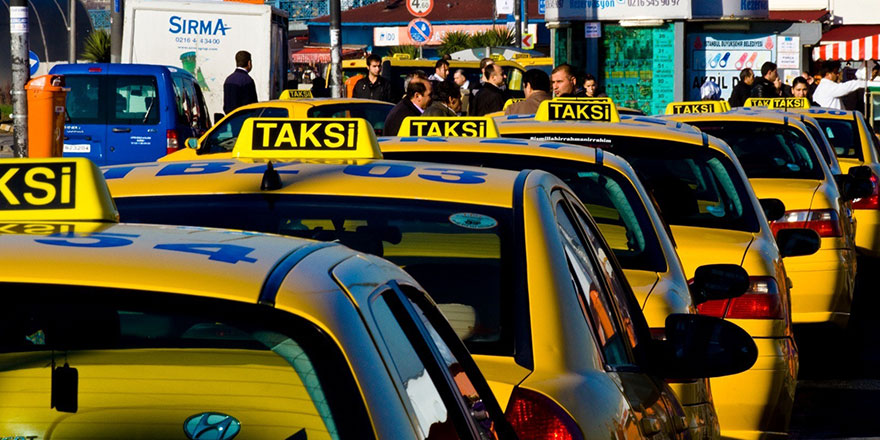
153	365
374	113
771	151
844	137
459	253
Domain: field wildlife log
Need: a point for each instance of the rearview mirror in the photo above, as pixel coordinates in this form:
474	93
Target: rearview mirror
192	143
702	346
718	281
797	242
773	208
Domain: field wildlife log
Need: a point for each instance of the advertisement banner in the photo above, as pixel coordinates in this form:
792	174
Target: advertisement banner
732	8
721	57
638	66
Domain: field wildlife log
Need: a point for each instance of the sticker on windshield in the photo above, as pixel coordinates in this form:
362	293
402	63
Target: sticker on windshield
473	221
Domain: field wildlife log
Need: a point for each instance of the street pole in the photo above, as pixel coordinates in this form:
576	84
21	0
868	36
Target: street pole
21	72
116	17
525	16
335	49
71	35
517	19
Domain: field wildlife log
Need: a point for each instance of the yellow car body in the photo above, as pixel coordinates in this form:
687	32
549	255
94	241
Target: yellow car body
822	283
494	230
142	331
766	408
855	144
652	269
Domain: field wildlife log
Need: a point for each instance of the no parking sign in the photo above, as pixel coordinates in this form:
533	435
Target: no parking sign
420	31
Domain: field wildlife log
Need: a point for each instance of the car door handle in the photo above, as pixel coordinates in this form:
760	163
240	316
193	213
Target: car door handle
121	130
651	426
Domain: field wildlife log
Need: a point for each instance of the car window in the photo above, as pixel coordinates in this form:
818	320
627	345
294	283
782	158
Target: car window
83	103
585	277
844	137
223	136
375	114
824	147
184	355
180	97
135	100
772	151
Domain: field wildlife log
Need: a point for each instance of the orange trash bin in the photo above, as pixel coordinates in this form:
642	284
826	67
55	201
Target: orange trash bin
46	96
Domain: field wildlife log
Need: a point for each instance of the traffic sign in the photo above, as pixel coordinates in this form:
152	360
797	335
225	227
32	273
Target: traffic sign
528	41
420	31
419	8
35	62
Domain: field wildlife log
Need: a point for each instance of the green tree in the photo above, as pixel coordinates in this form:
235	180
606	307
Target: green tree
97	47
453	42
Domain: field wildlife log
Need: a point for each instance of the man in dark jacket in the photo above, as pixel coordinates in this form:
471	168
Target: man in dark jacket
491	98
536	86
564	82
417	99
239	88
743	89
763	86
373	86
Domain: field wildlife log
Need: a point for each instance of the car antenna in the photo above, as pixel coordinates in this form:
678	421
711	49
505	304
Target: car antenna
271	179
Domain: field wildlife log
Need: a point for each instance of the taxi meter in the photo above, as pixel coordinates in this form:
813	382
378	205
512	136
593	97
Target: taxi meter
685	107
482	126
578	109
778	103
312	138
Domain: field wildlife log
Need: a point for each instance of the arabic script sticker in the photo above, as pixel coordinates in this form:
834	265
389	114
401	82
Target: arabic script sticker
473	221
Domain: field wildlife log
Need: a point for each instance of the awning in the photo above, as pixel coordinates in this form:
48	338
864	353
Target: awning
321	54
805	16
860	49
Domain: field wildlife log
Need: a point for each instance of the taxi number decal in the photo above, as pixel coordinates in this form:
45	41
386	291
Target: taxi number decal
445	175
222	252
96	240
35	229
449	128
584	111
816	111
226	253
303	135
692	108
37	186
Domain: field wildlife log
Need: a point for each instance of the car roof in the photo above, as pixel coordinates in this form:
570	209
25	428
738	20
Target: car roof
742	114
827	113
117	68
635	126
311	102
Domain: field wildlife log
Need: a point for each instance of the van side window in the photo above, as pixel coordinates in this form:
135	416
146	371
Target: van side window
83	103
135	100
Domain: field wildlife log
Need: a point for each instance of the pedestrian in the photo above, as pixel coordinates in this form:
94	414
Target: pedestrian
800	88
374	85
743	89
491	98
319	86
564	82
239	88
464	86
763	87
445	100
710	91
783	90
591	87
829	91
441	71
536	86
475	88
414	103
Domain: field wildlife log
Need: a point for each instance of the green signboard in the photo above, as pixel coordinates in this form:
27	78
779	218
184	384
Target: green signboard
638	66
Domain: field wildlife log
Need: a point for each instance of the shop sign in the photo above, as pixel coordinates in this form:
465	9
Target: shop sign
653	9
721	57
731	8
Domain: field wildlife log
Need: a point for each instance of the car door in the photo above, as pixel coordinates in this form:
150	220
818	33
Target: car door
85	129
134	131
615	327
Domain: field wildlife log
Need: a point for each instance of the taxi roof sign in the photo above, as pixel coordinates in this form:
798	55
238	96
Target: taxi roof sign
578	109
686	107
291	94
512	101
54	190
307	138
449	126
778	103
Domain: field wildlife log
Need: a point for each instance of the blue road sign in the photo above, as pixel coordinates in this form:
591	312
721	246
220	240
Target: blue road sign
35	62
542	7
420	30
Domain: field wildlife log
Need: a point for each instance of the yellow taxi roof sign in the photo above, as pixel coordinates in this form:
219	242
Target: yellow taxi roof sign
512	101
449	126
686	107
778	103
54	190
578	109
291	94
307	138
401	56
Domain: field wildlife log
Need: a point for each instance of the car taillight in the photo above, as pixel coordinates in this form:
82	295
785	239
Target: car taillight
824	221
534	416
872	201
761	301
94	70
171	141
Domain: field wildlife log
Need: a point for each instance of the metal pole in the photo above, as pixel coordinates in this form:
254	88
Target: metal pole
21	72
116	17
335	49
71	36
525	16
517	20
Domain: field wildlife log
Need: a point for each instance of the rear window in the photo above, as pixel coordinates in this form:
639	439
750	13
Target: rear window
844	137
153	365
375	114
771	151
135	100
84	103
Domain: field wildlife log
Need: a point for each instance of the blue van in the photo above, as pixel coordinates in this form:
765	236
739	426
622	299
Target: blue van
124	113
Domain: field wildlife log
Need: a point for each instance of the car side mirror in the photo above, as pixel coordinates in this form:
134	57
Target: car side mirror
218	117
860	184
699	346
192	143
797	242
773	209
718	281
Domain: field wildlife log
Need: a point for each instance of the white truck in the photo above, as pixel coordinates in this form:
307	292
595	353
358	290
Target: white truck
203	37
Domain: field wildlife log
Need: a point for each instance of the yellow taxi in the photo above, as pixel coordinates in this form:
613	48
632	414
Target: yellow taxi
715	218
856	146
782	161
222	136
513	258
114	330
625	215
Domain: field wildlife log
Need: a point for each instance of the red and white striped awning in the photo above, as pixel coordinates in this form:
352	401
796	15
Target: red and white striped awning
860	49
